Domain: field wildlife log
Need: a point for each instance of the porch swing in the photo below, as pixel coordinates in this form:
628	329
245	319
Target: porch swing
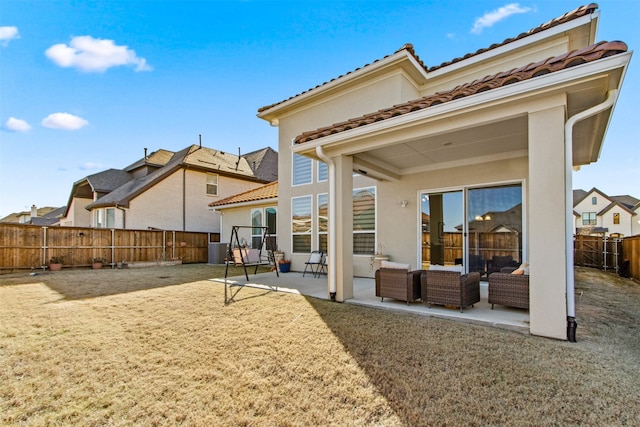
239	255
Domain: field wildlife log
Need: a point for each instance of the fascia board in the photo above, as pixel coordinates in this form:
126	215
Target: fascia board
244	204
503	94
517	44
343	80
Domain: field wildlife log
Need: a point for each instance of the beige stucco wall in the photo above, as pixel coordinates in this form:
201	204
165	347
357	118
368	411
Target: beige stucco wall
508	61
161	206
380	93
77	215
241	215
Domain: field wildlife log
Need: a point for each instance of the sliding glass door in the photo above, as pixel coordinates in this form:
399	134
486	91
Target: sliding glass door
489	235
442	221
494	218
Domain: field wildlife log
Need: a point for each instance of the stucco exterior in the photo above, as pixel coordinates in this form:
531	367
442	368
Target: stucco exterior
516	129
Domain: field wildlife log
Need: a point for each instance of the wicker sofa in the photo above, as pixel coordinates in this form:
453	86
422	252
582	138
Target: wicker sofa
398	283
497	263
450	288
508	289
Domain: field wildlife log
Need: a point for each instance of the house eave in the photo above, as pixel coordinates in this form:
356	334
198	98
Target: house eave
345	142
244	204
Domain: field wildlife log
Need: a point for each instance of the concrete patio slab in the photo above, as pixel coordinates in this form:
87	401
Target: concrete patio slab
364	295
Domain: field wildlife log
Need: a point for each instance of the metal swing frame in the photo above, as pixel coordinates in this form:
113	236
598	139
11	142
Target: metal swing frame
239	255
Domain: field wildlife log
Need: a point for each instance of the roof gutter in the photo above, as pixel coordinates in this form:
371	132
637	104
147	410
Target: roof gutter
612	96
331	271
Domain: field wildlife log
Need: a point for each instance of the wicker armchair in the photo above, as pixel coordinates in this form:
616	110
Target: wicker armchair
400	284
450	288
509	289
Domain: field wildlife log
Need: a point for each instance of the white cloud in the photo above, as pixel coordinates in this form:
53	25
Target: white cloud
8	33
64	121
98	55
17	125
490	18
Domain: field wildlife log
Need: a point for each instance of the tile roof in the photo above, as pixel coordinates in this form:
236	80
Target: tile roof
550	65
269	191
569	16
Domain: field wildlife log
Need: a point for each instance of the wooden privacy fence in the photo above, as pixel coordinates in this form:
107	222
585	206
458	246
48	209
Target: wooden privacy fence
608	253
485	244
31	246
631	251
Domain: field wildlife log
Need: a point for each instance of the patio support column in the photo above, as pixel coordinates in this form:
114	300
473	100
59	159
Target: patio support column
343	224
547	228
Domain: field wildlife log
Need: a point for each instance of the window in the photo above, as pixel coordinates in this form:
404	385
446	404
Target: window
323	171
301	224
594	200
256	233
616	218
99	222
589	218
301	170
323	221
264	218
212	184
111	218
364	221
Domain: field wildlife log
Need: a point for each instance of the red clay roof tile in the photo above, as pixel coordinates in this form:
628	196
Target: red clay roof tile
550	65
265	192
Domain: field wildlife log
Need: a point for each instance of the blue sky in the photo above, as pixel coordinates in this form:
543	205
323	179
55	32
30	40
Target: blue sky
86	86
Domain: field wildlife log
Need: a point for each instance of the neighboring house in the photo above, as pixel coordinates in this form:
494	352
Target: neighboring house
482	133
48	216
255	208
599	214
167	190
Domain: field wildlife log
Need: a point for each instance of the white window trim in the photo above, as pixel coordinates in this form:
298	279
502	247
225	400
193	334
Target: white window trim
312	226
375	224
293	172
217	184
465	190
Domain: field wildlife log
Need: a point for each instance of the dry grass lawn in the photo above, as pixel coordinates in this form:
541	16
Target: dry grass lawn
157	346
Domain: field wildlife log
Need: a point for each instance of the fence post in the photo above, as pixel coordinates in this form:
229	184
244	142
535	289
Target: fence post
44	246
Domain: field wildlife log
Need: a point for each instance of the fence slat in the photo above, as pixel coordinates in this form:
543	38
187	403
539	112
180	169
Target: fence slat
24	246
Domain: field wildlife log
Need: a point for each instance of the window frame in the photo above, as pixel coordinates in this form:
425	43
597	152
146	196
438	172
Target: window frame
215	185
589	218
296	179
308	232
373	231
323	239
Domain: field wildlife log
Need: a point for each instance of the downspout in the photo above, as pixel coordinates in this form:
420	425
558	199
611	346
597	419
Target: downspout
332	270
569	222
